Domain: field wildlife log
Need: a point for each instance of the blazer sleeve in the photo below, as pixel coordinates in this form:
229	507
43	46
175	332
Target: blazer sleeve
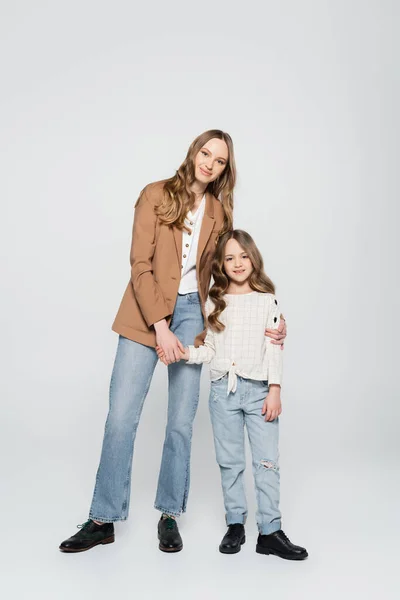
273	352
148	293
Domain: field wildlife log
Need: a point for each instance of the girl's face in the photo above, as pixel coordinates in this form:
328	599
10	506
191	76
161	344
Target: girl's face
211	161
237	263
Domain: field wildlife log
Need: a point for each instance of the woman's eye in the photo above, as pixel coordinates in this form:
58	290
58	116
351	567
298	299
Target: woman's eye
245	256
205	153
221	162
228	259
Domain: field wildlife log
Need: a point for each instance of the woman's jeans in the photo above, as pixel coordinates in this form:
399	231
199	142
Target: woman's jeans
229	415
130	382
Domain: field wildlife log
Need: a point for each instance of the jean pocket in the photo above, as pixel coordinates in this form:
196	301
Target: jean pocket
218	388
193	298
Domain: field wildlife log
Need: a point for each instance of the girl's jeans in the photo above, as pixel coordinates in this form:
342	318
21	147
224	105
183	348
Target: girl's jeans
130	382
229	414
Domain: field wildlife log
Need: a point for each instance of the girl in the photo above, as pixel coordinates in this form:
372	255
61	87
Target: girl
176	225
246	374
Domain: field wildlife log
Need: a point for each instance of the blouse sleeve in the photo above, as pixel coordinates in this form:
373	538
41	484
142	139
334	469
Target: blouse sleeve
273	352
205	353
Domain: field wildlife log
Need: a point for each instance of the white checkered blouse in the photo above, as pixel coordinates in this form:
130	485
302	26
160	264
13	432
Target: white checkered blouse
242	348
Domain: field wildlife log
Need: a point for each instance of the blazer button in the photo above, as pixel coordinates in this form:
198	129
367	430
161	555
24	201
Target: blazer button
187	245
189	233
184	256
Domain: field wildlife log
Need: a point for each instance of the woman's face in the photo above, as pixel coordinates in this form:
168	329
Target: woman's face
237	263
211	161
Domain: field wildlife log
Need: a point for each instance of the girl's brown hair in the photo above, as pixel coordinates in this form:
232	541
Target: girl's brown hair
179	198
258	280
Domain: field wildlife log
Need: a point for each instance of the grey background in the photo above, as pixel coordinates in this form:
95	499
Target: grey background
97	100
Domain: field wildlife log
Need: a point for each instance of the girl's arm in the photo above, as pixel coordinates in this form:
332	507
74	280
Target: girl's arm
205	353
272	407
194	355
273	354
202	354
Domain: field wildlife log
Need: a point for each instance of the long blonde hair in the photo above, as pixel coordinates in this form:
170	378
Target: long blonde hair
258	280
178	198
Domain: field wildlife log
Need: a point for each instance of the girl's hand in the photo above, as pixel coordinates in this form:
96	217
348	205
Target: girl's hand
168	342
272	407
277	335
161	355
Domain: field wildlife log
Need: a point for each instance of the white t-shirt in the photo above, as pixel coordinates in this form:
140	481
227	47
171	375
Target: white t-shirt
190	242
242	347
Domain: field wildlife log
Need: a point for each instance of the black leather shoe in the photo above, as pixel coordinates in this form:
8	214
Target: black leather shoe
89	535
279	544
169	536
233	539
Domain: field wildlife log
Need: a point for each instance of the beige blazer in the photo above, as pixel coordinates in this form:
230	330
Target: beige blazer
156	257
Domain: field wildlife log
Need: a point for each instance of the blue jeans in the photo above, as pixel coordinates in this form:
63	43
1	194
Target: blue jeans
229	415
130	382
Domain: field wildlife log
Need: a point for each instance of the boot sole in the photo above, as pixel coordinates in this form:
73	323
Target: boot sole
261	550
165	549
108	540
234	550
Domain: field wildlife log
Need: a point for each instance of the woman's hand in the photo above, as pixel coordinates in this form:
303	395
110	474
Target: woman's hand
161	355
278	335
272	407
168	342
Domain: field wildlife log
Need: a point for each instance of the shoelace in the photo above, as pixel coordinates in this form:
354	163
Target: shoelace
83	525
285	537
170	523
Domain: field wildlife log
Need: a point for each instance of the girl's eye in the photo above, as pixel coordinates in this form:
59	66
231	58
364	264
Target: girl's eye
245	256
221	162
228	259
205	153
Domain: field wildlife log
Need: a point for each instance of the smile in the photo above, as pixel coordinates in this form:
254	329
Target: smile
205	172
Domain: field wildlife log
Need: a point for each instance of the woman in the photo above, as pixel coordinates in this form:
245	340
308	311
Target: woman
176	226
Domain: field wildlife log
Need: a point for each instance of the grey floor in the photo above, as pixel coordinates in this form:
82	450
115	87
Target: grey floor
345	512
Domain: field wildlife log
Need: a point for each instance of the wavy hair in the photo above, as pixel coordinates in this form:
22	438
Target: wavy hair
179	198
258	280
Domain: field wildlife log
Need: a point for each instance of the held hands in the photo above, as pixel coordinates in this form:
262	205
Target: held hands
184	354
272	404
167	343
278	335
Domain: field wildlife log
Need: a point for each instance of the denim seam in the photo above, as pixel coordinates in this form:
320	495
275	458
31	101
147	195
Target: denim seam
105	430
106	519
136	421
166	511
186	488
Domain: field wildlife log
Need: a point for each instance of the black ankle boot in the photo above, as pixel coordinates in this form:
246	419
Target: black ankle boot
279	544
233	539
169	536
89	535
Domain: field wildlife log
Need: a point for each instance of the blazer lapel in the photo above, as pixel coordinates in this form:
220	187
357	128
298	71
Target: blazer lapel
206	228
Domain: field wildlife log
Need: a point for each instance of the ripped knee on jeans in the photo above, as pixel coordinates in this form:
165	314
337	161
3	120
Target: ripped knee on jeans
269	464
